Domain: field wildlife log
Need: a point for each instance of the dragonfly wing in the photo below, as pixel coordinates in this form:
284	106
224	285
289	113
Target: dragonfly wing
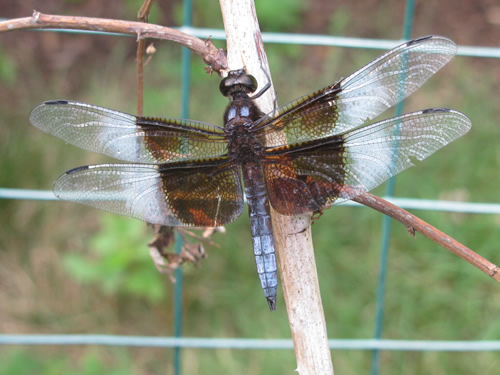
128	137
359	97
316	175
172	195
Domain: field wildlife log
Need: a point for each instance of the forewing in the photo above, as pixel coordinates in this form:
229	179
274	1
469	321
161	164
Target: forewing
127	137
171	194
313	176
361	96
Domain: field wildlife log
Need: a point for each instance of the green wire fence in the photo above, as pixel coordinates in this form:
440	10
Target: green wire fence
377	343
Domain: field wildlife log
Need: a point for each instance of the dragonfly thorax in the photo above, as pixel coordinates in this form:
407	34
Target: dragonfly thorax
239	119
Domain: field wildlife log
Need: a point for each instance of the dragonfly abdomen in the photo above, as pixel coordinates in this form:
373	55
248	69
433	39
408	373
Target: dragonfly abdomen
262	230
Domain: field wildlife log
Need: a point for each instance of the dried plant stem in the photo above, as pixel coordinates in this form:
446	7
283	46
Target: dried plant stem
214	57
297	266
141	46
413	224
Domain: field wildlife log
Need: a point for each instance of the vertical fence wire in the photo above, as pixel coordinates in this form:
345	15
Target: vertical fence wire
387	221
185	93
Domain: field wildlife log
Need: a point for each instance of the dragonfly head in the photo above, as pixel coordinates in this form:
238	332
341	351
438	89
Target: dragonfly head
238	81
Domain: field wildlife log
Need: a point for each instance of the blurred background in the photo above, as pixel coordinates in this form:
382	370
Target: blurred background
65	268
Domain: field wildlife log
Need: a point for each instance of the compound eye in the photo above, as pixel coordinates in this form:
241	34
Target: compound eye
226	84
247	82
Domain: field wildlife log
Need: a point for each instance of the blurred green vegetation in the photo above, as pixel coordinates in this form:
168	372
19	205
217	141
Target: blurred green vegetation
70	269
114	264
92	362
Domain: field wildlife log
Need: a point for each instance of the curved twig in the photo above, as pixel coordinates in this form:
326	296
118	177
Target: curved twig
413	224
215	58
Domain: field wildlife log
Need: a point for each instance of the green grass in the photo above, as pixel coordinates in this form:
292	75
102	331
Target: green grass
431	294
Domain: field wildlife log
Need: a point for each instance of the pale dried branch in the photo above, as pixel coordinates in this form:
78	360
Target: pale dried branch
292	235
215	58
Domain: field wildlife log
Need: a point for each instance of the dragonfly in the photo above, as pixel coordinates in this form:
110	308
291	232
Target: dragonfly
301	158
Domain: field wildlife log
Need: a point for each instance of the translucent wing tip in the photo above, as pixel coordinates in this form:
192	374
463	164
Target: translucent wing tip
37	115
465	123
444	41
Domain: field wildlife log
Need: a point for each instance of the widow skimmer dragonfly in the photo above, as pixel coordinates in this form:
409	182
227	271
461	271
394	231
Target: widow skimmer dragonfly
300	158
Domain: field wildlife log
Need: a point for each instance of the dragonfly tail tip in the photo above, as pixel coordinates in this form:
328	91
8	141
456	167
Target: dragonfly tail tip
271	301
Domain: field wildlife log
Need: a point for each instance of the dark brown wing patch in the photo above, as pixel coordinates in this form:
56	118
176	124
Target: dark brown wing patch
171	140
207	195
305	181
311	117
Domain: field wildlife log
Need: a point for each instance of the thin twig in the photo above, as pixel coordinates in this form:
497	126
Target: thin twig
141	46
212	56
413	224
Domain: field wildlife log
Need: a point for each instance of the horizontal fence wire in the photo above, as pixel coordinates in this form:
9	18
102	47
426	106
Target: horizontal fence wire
244	343
304	39
406	203
337	41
